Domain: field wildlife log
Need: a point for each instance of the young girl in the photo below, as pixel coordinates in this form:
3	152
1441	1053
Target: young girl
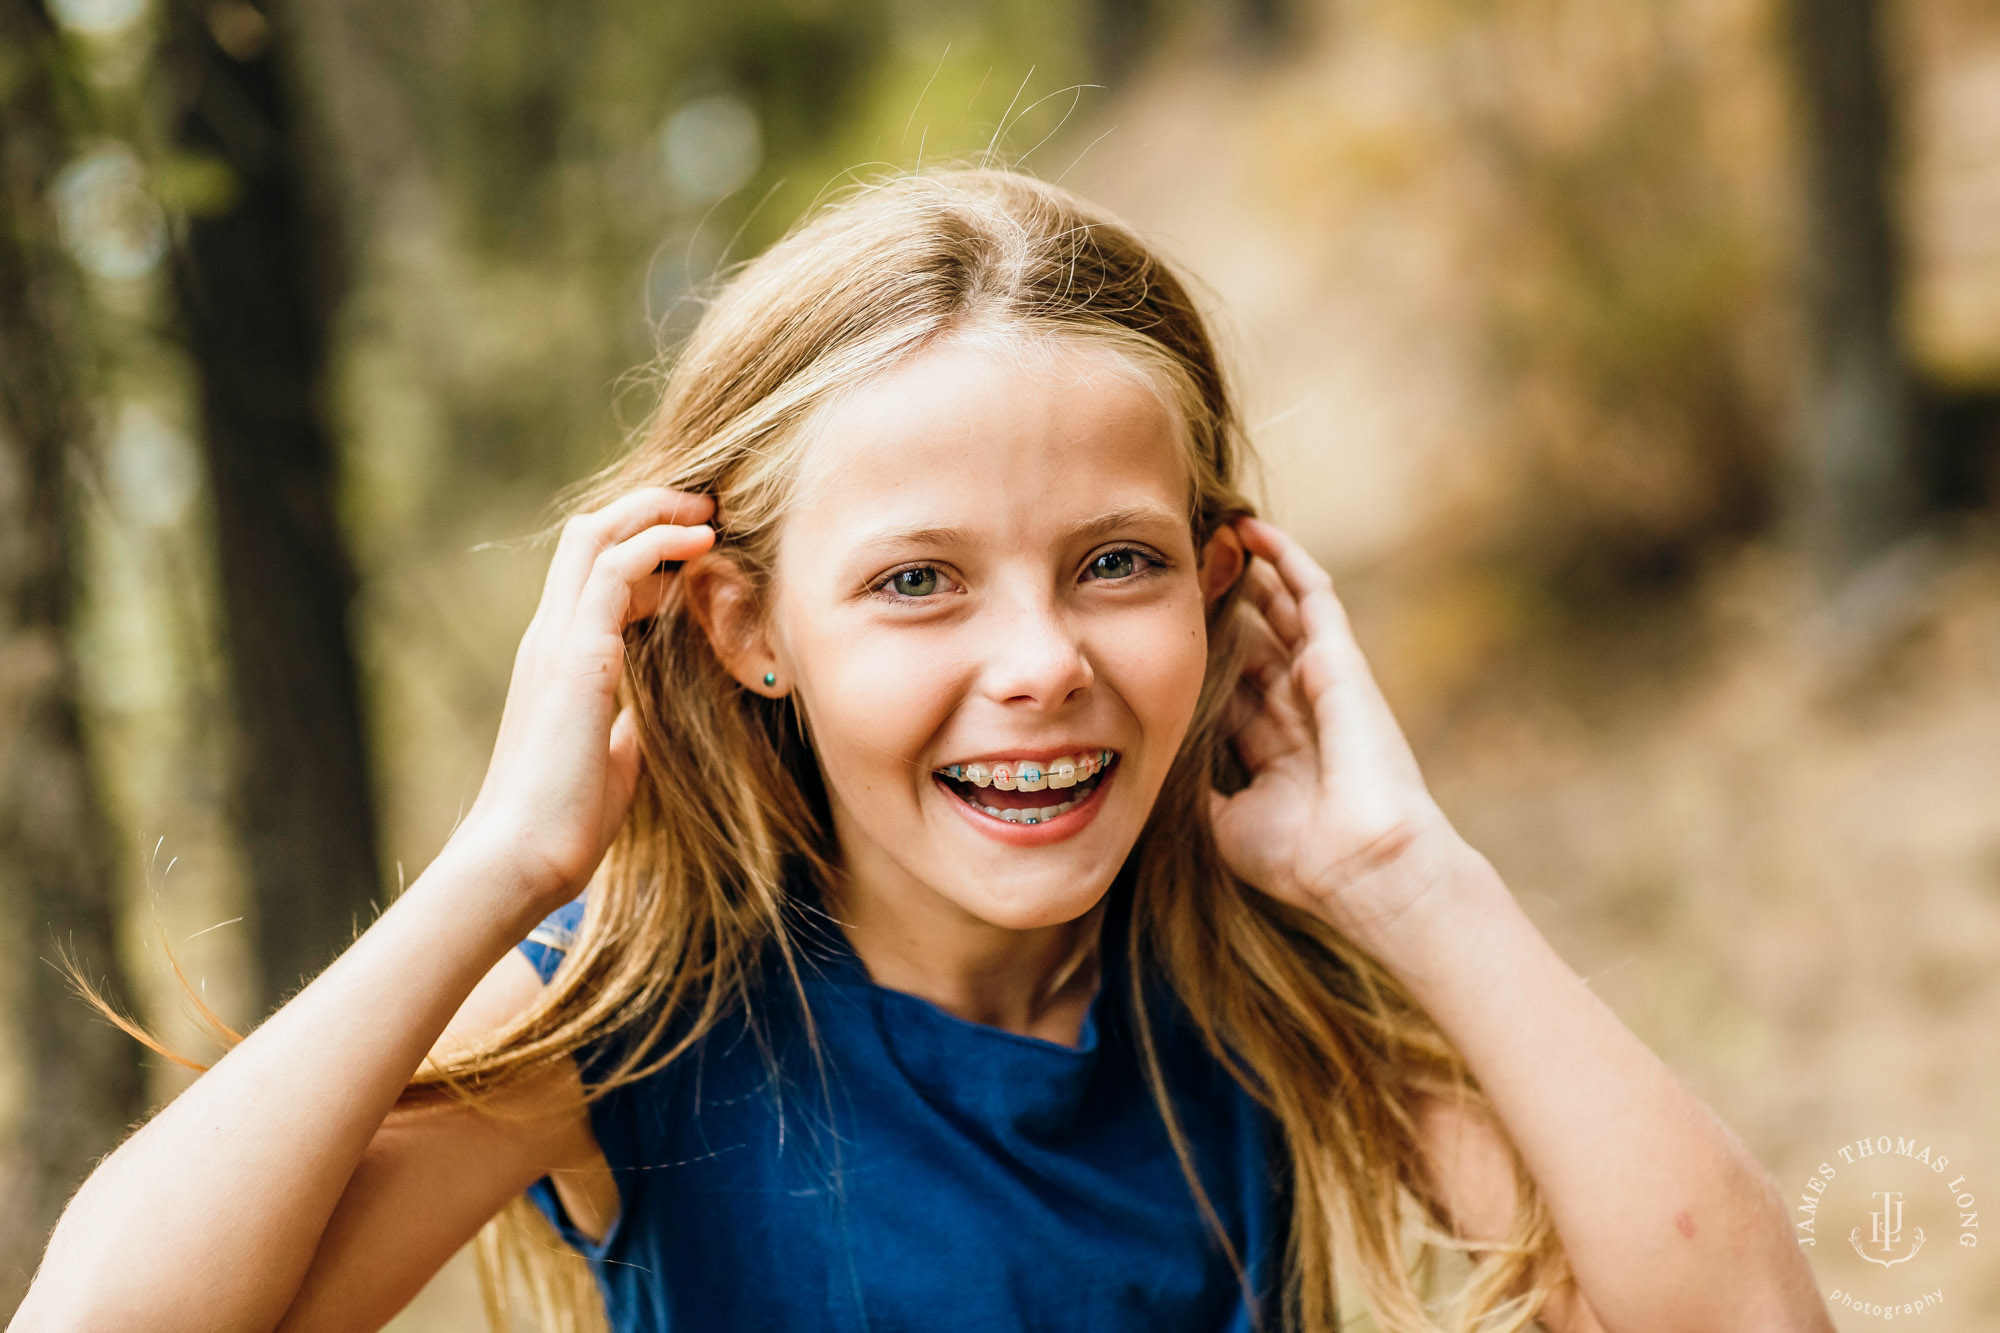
1010	903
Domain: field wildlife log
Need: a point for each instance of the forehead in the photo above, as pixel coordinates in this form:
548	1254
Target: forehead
1005	439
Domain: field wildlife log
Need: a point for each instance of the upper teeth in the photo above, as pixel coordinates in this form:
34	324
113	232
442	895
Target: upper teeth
1032	774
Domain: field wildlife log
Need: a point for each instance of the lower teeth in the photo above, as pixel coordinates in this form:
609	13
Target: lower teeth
1038	815
1030	815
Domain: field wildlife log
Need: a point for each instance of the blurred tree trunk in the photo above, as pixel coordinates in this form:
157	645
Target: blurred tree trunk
58	873
1859	487
257	279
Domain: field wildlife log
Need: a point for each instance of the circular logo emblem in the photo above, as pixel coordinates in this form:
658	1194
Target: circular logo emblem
1887	1222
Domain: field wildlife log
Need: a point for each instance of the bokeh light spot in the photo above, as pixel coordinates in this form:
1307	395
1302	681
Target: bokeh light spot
711	146
108	219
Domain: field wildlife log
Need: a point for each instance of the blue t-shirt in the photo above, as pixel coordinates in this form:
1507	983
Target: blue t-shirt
938	1174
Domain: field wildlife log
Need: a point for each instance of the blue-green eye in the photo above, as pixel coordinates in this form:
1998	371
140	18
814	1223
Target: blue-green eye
1116	564
919	582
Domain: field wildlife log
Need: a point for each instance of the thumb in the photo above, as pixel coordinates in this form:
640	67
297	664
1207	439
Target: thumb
622	771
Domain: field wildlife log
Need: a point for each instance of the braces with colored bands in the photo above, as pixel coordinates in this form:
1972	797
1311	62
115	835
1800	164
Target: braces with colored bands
1071	771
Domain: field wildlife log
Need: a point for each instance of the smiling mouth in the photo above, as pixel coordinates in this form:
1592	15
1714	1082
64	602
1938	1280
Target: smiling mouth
1028	792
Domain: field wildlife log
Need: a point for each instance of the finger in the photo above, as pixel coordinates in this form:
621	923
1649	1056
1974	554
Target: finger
1259	638
1329	670
1267	678
1248	705
1266	590
589	535
651	594
1262	736
1265	660
1320	613
623	774
1237	710
1270	668
608	597
1329	656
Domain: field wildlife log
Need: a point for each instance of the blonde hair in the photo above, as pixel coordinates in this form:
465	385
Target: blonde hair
691	899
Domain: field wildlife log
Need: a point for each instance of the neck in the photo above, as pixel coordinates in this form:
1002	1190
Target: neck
1037	982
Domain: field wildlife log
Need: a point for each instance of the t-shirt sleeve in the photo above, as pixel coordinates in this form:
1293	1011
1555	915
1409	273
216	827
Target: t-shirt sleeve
549	942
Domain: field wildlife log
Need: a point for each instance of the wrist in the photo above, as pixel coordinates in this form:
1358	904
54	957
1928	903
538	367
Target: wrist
491	880
1433	891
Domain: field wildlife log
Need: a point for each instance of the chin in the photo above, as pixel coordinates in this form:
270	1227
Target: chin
1033	901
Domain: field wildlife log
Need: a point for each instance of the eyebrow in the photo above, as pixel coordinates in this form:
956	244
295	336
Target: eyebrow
1112	520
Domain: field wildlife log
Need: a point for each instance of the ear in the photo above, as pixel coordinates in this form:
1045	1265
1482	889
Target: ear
723	603
1222	561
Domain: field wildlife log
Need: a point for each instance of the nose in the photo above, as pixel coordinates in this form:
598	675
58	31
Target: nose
1035	657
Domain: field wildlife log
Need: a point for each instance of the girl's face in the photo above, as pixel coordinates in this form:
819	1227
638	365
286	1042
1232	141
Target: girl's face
990	605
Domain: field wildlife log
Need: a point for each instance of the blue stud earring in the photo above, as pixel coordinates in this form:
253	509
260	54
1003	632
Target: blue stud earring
770	678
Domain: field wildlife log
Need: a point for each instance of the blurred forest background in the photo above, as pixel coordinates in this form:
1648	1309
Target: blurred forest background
1636	368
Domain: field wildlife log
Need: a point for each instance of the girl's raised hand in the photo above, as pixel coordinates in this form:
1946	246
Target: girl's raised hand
566	762
1336	818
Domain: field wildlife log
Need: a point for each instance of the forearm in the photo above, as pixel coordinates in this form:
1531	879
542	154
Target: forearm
208	1217
1668	1221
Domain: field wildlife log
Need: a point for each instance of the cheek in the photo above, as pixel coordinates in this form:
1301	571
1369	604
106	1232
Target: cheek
1156	663
874	701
